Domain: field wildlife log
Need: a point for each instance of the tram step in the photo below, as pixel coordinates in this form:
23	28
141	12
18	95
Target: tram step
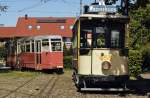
104	89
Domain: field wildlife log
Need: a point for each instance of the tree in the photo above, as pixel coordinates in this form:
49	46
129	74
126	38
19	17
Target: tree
3	8
139	26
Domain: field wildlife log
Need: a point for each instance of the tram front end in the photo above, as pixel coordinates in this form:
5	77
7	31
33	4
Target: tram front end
100	59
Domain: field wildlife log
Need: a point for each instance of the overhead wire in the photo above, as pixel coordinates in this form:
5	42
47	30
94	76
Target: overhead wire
40	3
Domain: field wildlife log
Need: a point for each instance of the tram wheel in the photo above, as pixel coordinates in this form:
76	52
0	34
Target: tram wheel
77	81
60	71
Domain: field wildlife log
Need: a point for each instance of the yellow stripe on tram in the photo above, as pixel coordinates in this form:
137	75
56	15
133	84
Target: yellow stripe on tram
78	41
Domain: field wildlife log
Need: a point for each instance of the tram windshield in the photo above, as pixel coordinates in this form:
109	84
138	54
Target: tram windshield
101	35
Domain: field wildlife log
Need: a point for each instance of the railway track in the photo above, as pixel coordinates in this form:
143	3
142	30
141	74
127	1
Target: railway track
19	87
47	89
57	86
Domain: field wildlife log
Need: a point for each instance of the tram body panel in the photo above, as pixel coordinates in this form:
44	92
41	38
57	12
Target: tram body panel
118	63
52	60
11	60
84	66
26	60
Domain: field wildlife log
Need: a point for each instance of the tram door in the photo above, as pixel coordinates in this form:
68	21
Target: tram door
38	52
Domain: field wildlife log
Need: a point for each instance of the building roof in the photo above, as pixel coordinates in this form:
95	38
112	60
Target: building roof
33	26
30	26
7	32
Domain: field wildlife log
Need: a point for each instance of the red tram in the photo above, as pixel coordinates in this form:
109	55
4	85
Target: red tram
39	52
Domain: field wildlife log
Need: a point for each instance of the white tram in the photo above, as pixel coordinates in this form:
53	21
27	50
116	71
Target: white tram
100	58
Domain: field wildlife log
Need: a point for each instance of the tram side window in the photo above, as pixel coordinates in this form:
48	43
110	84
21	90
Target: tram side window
86	39
23	47
56	45
115	39
100	39
27	46
45	45
18	47
82	40
75	42
32	46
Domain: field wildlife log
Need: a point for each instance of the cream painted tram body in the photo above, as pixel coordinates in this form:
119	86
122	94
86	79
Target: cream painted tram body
100	58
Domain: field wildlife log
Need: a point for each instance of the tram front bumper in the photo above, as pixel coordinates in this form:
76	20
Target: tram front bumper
107	82
99	78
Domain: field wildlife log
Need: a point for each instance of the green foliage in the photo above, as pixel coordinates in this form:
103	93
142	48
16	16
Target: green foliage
67	57
139	27
2	53
146	57
68	62
67	52
135	62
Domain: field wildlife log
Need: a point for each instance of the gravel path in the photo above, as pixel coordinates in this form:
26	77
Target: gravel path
53	86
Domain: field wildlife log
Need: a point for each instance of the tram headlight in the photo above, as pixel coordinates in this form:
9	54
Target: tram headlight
106	65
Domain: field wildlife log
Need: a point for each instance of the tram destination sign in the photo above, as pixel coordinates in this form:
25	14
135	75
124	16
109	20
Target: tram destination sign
102	8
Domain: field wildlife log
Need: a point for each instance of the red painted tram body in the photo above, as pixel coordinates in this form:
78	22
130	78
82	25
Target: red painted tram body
39	53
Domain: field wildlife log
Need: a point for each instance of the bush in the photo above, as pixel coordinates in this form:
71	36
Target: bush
67	52
135	62
68	62
2	53
146	57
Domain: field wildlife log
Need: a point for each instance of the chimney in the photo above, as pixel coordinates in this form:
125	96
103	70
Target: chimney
1	25
26	16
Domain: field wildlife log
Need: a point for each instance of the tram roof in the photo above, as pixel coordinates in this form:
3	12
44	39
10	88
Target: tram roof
39	37
104	16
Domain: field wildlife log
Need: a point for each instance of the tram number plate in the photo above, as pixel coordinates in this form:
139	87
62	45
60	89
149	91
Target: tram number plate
108	79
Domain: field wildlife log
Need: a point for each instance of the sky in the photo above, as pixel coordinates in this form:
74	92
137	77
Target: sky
39	8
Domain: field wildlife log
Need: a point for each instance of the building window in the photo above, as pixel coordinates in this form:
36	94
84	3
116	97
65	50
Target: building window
71	27
62	27
29	27
38	27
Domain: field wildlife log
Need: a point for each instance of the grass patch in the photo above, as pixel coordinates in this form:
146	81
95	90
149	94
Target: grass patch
19	74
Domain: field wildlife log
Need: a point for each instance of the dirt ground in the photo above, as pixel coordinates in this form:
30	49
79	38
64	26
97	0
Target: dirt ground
41	85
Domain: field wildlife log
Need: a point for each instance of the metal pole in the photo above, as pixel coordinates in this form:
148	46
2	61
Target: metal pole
80	6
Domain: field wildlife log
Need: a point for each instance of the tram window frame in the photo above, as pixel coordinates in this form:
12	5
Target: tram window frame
45	45
108	26
23	47
121	29
32	45
84	40
75	37
98	35
55	48
74	42
19	48
115	43
27	46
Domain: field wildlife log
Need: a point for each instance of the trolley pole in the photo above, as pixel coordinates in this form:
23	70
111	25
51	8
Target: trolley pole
80	7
